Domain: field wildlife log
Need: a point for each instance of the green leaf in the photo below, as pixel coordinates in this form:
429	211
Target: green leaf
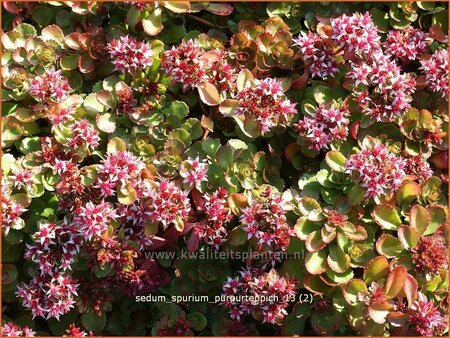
197	321
29	144
389	246
92	322
335	160
381	19
419	218
407	193
69	61
209	94
210	147
43	15
352	289
316	262
106	122
377	268
337	259
176	112
386	216
310	208
115	145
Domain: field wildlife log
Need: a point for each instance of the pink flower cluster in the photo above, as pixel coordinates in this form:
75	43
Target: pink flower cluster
190	65
212	230
406	44
74	331
129	54
12	330
194	171
119	167
381	90
83	134
55	247
426	318
21	177
49	295
255	291
167	203
134	218
356	33
436	72
329	123
93	219
221	74
11	211
318	53
265	220
419	167
184	64
50	87
378	170
266	103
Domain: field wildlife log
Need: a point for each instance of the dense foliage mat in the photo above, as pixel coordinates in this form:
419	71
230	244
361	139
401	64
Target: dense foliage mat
224	169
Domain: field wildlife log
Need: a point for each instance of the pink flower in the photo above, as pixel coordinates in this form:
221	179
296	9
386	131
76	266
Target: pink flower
134	219
318	54
406	44
121	167
436	72
12	330
55	246
194	171
185	65
266	103
221	74
168	204
11	211
380	89
271	294
129	54
50	87
419	167
430	254
329	123
74	331
265	220
212	229
48	296
378	170
21	178
93	219
426	318
356	33
83	135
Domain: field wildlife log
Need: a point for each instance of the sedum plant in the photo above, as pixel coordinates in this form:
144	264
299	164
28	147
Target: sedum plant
191	168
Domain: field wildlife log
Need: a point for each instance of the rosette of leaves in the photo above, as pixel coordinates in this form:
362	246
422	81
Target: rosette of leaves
168	161
172	320
424	223
262	47
324	314
372	300
400	15
199	276
153	17
25	48
422	131
85	51
234	166
327	234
